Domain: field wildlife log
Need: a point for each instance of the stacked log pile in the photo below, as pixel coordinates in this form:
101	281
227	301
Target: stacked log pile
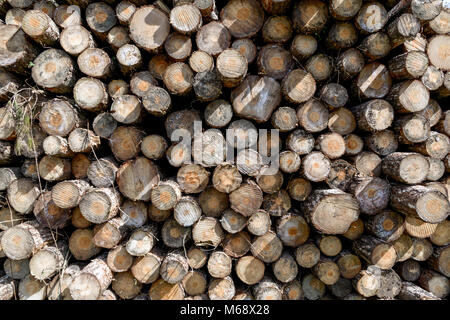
118	119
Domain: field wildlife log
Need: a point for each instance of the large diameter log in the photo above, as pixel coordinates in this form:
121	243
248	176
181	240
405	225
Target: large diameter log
48	261
24	240
376	252
310	16
264	98
75	39
408	96
213	38
100	18
405	167
54	70
331	211
207	232
186	18
435	283
68	194
58	117
149	28
372	194
374	115
95	63
247	198
90	94
93	279
436	50
16	60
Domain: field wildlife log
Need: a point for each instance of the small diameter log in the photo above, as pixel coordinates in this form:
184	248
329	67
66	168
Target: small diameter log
313	288
439	24
9	218
186	18
24	240
52	168
289	161
16	269
119	260
329	245
341	175
232	221
408	96
48	261
7	288
316	166
259	223
349	264
187	211
135	178
332	145
58	117
342	35
40	27
7	121
56	146
126	109
437	146
267	248
320	66
118	37
299	188
192	178
213	38
432	78
102	173
303	46
285	269
374	81
221	289
403	28
124	11
345	9
67	15
54	70
80	164
156	101
196	258
292	230
178	78
104	125
110	234
387	225
93	279
436	48
375	251
146	268
276	7
162	290
7	175
81	244
425	10
207	85
22	194
100	18
174	267
368	164
12	60
355	230
31	289
307	255
165	195
143	31
277	29
334	95
313	116
410	65
207	232
174	235
376	46
429	205
125	285
158	64
68	194
418	228
412	129
100	205
326	271
90	94
194	283
441	236
246	198
331	211
219	264
382	142
213	202
236	245
232	67
409	270
22	146
435	283
298	86
371	17
250	270
274	61
200	61
439	260
310	16
410	291
256	106
134	213
372	194
95	63
284	119
350	63
141	241
117	88
405	167
178	47
300	141
129	58
83	140
48	214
